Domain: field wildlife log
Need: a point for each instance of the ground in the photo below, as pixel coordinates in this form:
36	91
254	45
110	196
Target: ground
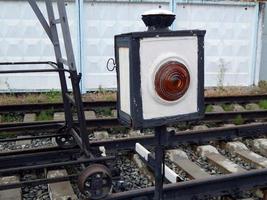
102	94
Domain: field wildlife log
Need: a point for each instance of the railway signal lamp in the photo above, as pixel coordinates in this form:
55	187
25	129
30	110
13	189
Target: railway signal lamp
160	73
160	76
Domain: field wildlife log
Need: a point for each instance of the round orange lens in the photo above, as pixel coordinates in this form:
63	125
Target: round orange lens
172	81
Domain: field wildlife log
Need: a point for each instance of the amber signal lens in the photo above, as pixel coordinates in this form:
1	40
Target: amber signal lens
172	81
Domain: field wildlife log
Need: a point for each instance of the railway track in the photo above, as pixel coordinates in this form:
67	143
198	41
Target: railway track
102	114
57	107
195	154
187	162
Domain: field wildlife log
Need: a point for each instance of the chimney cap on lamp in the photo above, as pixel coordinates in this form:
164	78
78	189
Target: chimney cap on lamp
158	19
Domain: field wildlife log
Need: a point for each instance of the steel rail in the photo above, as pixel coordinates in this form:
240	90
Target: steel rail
37	182
36	152
235	99
37	156
112	122
31	137
182	137
91	123
22	126
201	188
56	164
229	116
95	104
51	106
186	137
30	150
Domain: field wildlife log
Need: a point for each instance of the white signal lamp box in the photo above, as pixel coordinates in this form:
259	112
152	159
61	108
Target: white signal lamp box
160	74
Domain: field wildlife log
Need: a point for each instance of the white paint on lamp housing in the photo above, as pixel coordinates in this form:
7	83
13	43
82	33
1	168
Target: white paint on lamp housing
124	65
154	51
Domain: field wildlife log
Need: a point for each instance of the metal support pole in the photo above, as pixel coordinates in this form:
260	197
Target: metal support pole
172	7
79	133
159	160
75	78
41	18
80	43
58	54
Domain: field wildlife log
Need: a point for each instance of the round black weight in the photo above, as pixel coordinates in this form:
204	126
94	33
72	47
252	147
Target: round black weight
95	182
66	141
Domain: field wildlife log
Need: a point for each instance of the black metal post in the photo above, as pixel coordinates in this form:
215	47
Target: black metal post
58	54
159	157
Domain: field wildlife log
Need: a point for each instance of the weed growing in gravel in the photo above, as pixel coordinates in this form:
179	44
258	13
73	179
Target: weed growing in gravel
101	90
109	97
45	115
12	117
53	96
122	130
263	104
263	85
103	94
221	74
103	112
228	107
239	120
208	108
182	126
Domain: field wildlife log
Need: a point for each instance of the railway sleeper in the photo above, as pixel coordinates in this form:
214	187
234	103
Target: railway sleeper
143	168
11	194
60	190
28	117
260	145
181	160
214	157
241	150
149	159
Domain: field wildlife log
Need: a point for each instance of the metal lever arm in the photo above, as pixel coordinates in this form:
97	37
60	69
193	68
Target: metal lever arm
41	18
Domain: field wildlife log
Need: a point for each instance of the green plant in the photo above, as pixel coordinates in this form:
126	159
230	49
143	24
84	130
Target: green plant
182	126
262	85
103	111
9	87
263	104
228	107
53	96
101	90
12	117
45	115
209	108
221	74
238	120
122	130
109	98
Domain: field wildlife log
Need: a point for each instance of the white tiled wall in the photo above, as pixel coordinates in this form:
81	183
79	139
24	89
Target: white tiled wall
229	41
103	21
22	38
